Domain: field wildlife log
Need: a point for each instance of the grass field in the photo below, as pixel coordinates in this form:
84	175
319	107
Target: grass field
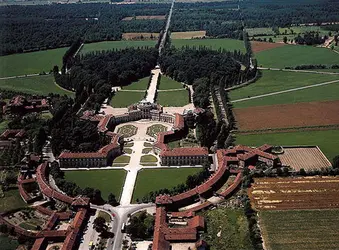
228	44
30	63
302	230
322	93
154	179
107	181
122	159
327	140
38	85
3	125
12	200
8	243
176	98
233	227
169	83
142	84
124	99
188	34
257	31
148	158
272	81
108	45
293	55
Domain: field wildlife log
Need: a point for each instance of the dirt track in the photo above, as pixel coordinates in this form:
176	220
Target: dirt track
288	115
261	46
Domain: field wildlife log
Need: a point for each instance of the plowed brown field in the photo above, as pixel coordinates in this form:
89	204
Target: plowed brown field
295	193
288	115
261	46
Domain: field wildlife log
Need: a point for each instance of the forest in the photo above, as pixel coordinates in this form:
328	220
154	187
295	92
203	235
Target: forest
39	27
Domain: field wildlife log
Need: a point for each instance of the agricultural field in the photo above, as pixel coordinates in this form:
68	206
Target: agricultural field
31	63
231	224
288	115
108	45
107	181
326	140
302	230
294	55
188	34
169	83
11	200
154	179
276	38
317	192
258	31
141	84
130	18
173	98
36	85
262	46
215	44
140	36
124	99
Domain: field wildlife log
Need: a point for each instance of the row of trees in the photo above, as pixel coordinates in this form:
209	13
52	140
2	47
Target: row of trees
310	38
39	27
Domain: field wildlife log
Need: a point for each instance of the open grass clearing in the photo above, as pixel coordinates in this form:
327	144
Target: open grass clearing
258	31
107	181
272	81
154	179
320	93
232	226
11	200
122	159
124	99
148	158
326	140
294	55
169	83
302	230
188	34
142	84
31	63
177	98
109	45
215	44
36	85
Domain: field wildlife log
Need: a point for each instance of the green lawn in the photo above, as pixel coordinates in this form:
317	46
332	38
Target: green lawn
8	243
155	179
128	150
293	55
3	125
31	63
232	225
169	83
122	159
146	150
148	158
302	230
272	81
12	200
327	140
108	45
107	181
124	99
176	98
142	84
322	93
38	85
228	44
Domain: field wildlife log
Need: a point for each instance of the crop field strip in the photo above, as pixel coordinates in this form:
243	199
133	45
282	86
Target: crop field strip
295	193
300	229
288	115
262	46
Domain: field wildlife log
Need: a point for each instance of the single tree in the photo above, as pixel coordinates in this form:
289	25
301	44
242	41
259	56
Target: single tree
99	224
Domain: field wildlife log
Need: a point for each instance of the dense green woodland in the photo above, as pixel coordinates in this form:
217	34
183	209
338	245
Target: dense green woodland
28	28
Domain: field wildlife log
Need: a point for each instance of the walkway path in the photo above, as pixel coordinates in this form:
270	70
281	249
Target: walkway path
152	89
22	76
285	91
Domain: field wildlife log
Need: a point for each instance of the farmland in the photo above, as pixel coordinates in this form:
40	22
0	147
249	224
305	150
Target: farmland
261	46
233	226
152	179
293	55
123	99
215	44
30	63
139	36
107	181
302	230
130	18
36	85
188	34
288	115
295	193
327	140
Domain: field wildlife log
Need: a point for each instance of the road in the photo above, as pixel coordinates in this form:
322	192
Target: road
163	39
284	91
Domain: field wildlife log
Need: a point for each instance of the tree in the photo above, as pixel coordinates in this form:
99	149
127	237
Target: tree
285	39
39	140
270	40
336	162
112	200
99	224
302	172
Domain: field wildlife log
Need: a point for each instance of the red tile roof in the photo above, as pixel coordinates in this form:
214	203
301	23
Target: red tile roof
11	133
179	122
